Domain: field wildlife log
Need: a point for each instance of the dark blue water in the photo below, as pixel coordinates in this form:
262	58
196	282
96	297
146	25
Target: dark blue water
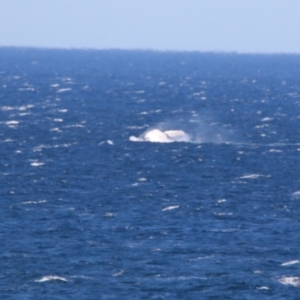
88	214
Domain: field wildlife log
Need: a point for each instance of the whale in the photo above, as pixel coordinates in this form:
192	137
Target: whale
159	136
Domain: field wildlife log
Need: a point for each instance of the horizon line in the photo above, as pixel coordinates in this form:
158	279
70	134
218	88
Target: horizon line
150	50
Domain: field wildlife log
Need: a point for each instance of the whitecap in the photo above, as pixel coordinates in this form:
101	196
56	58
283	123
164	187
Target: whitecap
62	145
75	125
34	202
110	142
12	122
136	127
37	164
266	119
253	176
170	207
289	263
23	107
55	129
51	278
178	278
81	276
275	150
27	89
262	126
118	273
201	258
5	108
58	120
67	79
222	214
109	214
63	90
290	280
296	194
221	201
40	148
142	179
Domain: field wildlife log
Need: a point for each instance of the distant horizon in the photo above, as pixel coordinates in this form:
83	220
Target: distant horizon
149	50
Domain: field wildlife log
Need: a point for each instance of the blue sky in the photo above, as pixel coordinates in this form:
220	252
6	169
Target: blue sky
194	25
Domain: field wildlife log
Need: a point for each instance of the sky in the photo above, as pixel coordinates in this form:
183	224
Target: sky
255	26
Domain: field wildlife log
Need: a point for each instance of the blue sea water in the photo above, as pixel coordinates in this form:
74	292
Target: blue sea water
88	212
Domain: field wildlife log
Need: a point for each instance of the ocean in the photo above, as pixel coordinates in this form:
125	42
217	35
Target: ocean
149	175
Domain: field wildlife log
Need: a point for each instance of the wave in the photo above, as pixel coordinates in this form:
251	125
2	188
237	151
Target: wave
290	280
51	278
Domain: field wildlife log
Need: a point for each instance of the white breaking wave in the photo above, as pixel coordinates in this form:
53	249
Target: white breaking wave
254	176
23	107
12	122
290	280
289	263
170	207
118	273
34	202
63	90
36	164
296	194
55	129
51	278
158	136
40	148
27	89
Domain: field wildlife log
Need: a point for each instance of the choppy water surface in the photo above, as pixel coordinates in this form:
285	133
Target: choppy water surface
90	209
